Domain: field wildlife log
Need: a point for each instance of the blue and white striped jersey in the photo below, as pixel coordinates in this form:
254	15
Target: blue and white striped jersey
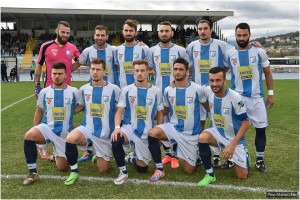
161	59
140	106
227	113
206	56
125	55
100	104
58	107
246	70
107	54
184	105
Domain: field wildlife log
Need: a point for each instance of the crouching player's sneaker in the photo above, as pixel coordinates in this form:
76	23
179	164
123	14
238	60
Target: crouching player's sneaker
72	178
158	174
86	155
167	159
31	178
207	180
122	178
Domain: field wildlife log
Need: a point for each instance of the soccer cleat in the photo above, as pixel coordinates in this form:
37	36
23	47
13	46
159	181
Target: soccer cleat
227	165
199	162
158	174
52	158
128	157
31	178
72	178
94	159
86	155
174	163
43	153
216	162
166	159
207	180
260	165
122	178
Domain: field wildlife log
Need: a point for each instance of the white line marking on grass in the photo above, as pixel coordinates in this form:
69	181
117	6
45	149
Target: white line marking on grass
138	181
16	102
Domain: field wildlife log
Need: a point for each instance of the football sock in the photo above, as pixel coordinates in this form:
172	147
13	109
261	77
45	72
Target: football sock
30	154
72	156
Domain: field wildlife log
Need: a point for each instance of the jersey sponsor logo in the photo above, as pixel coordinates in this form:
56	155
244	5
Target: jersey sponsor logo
68	52
165	69
67	101
49	100
107	70
213	53
253	59
204	66
54	52
196	54
149	101
59	114
190	100
225	110
128	67
181	112
120	56
141	112
87	97
156	58
105	98
96	110
246	72
172	100
241	104
132	99
219	121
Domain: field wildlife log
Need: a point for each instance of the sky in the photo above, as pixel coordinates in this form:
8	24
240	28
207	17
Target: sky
265	17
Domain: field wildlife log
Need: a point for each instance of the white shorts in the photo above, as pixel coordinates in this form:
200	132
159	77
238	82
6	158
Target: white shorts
240	156
102	146
187	146
141	149
59	143
256	111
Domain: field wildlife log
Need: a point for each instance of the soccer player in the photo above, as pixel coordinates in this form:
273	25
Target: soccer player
161	58
247	63
229	125
99	99
58	50
129	51
138	104
182	102
99	50
206	53
52	121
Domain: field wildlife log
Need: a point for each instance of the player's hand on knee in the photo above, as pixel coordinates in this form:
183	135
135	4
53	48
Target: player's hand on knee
115	133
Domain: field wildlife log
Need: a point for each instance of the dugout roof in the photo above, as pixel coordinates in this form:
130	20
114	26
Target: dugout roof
143	16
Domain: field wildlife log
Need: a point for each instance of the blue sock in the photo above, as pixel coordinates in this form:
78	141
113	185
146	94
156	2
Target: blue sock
205	155
155	151
260	142
72	156
30	154
119	153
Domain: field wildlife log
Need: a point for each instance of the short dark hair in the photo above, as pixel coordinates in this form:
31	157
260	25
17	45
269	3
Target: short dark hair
167	23
59	65
132	23
243	26
141	62
101	28
181	61
64	23
99	61
205	19
216	70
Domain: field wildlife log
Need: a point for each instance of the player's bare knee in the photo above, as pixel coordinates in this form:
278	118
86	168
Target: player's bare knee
189	170
242	176
152	132
102	170
62	168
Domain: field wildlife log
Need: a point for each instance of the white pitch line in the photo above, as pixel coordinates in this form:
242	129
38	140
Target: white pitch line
16	102
138	181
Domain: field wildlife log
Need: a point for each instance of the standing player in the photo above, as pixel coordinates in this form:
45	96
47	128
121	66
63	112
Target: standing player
129	51
247	64
183	104
205	54
99	99
229	125
52	121
53	51
138	104
99	50
161	58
